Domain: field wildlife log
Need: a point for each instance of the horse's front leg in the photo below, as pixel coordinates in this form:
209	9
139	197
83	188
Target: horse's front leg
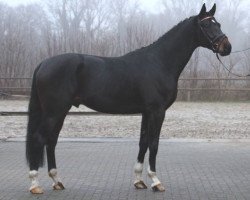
155	120
143	146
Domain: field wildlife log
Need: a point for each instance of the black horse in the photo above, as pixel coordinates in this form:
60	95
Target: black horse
143	81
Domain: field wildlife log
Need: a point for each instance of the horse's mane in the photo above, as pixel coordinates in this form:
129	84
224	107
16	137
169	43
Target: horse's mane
169	33
174	29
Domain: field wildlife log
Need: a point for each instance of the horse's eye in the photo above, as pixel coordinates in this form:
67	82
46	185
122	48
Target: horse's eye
205	24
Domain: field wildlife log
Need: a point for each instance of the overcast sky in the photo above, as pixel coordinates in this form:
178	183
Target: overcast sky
150	5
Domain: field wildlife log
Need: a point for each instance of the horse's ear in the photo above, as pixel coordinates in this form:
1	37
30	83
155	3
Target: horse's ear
212	11
203	11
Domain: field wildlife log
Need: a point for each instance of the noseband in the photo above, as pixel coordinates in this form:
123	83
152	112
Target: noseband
215	46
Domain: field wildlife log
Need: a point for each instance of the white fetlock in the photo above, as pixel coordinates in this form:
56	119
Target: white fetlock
138	183
57	184
156	185
53	175
34	188
138	171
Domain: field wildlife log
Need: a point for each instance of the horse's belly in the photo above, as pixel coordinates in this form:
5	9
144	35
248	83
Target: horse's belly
112	106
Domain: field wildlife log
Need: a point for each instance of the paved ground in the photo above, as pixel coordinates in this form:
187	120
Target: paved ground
103	170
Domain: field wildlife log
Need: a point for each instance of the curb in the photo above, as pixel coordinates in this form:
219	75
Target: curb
121	140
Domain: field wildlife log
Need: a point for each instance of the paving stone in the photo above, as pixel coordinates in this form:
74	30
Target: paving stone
104	170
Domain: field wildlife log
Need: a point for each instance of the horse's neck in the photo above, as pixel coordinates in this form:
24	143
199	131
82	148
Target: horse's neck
175	48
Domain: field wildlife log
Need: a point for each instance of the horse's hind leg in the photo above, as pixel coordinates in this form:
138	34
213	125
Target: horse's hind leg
46	134
50	148
36	153
143	146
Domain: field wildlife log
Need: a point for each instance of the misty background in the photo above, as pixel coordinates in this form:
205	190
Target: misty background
31	32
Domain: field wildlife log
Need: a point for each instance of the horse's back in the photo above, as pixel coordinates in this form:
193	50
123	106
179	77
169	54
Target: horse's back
109	85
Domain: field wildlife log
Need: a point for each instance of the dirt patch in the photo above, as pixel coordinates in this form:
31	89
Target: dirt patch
183	120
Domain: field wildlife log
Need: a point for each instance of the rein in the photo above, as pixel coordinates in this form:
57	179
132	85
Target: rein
238	75
238	51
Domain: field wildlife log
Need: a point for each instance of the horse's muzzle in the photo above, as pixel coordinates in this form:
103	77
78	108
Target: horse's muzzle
225	47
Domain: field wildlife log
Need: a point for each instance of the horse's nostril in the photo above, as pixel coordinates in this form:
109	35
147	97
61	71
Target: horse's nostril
229	48
226	50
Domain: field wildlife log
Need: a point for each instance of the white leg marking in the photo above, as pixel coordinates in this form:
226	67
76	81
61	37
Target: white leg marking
154	178
33	175
53	175
138	172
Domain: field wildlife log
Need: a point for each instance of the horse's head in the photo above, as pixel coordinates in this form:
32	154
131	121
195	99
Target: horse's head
210	34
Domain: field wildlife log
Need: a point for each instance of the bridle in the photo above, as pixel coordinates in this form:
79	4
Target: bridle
215	46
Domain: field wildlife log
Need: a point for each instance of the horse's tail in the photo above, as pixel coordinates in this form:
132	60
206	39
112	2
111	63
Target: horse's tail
34	142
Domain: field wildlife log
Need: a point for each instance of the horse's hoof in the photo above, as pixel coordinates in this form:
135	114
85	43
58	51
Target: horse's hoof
158	188
36	190
140	185
58	186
